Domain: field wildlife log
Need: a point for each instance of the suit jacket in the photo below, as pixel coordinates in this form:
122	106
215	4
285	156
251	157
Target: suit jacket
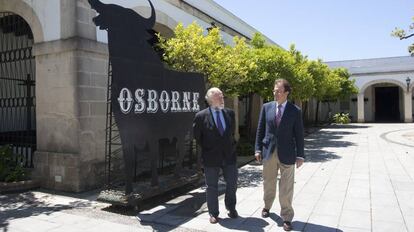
287	138
215	148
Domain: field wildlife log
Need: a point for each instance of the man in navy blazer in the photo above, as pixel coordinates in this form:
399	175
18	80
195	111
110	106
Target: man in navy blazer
280	144
214	132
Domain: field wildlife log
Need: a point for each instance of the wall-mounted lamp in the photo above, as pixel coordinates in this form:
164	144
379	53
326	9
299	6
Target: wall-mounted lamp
408	80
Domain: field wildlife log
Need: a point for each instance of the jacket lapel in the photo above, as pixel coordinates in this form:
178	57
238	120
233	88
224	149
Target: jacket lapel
227	120
272	115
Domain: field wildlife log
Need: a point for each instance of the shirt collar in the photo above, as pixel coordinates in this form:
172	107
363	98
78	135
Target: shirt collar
283	104
214	110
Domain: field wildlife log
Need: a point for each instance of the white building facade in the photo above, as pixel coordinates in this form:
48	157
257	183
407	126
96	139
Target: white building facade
384	88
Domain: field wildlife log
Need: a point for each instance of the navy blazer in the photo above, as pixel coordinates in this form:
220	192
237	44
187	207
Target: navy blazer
287	138
216	149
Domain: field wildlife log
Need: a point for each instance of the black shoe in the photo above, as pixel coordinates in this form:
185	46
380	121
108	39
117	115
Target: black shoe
287	226
232	214
213	220
265	213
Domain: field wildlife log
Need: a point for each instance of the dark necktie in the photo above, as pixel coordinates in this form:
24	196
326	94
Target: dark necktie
279	115
219	124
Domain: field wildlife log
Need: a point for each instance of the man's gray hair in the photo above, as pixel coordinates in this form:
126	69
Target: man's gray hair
210	92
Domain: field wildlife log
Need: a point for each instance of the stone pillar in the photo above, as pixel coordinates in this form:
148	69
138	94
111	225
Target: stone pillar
361	104
408	111
71	78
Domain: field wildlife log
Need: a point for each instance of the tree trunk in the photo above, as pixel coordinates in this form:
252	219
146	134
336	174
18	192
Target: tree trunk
304	111
249	118
317	112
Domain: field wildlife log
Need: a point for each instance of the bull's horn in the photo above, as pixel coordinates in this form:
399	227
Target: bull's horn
96	4
150	22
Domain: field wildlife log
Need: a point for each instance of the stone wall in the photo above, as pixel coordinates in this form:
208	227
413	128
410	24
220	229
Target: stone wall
71	90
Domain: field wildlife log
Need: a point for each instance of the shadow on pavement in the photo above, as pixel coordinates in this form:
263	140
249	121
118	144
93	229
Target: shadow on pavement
173	214
315	144
250	177
348	126
23	205
304	226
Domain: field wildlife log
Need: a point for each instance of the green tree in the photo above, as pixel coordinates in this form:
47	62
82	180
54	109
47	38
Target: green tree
319	72
191	50
303	86
347	85
403	34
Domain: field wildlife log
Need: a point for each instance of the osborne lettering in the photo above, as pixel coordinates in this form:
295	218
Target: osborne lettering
151	101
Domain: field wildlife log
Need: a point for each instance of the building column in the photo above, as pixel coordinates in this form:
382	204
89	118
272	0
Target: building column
71	86
408	111
360	110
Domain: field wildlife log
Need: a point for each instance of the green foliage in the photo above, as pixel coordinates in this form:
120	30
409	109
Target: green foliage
302	81
347	86
402	34
341	118
10	170
252	67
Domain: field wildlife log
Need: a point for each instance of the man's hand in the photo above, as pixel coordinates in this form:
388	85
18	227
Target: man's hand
299	162
258	157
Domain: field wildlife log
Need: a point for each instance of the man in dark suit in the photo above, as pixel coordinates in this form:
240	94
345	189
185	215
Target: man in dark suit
280	144
214	132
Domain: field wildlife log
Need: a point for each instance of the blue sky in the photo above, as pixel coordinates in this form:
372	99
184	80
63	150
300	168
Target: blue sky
330	29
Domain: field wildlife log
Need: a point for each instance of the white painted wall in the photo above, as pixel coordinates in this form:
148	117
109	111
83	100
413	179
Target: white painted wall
391	69
369	105
178	15
48	12
368	72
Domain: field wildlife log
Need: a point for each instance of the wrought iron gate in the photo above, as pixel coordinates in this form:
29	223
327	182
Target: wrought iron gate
17	87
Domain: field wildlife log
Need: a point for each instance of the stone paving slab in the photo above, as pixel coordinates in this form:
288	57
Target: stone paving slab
357	177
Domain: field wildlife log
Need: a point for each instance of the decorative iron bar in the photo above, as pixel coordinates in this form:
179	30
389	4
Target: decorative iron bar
17	87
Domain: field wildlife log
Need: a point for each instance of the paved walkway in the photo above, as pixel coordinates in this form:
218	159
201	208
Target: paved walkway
357	177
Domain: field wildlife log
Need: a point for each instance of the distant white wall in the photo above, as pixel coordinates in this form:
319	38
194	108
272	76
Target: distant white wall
367	71
48	12
178	15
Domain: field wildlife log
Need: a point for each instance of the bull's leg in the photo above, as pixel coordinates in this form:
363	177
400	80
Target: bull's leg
128	153
180	152
154	153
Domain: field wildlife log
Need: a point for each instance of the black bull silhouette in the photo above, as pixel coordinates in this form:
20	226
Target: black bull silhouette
136	66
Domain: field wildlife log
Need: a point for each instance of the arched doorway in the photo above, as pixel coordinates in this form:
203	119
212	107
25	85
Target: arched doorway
388	102
17	86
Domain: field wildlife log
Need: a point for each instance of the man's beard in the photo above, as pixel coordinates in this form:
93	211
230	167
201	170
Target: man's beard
219	107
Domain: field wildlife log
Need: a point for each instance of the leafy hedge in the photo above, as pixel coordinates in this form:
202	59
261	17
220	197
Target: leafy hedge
10	169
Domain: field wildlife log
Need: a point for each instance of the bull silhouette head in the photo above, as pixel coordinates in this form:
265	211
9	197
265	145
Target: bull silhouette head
114	16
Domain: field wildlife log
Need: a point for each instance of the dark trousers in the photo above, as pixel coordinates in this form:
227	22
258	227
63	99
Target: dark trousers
212	177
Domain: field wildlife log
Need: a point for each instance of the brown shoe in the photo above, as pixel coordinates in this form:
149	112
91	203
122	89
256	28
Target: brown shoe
213	220
265	213
287	226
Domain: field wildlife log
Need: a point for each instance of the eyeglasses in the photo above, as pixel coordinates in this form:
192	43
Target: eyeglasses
277	91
